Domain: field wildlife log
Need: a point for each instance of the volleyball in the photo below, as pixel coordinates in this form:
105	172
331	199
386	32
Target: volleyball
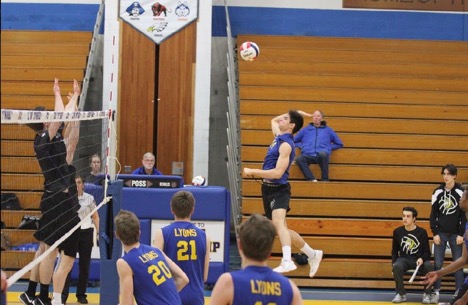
249	51
198	181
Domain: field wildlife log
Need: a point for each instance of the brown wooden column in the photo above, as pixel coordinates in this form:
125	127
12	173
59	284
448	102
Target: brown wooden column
176	98
174	121
136	107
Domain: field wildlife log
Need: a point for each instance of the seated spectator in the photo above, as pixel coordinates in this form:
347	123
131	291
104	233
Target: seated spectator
95	165
148	166
316	141
410	248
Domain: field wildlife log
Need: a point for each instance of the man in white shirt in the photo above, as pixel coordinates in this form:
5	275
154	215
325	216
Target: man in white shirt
86	241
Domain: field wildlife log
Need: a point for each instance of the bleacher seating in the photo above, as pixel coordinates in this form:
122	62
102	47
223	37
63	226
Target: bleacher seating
30	62
400	107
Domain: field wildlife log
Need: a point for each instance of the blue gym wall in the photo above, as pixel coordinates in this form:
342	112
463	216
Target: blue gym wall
342	23
48	16
261	20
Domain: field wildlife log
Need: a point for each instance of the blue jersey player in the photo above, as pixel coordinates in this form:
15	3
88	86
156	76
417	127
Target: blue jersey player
256	283
276	191
187	246
145	273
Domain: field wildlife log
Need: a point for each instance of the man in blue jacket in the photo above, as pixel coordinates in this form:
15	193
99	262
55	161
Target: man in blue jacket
148	167
316	141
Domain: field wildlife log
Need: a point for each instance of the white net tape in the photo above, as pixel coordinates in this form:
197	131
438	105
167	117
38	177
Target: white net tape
10	116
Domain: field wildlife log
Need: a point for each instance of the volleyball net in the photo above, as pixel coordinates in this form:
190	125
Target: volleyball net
33	167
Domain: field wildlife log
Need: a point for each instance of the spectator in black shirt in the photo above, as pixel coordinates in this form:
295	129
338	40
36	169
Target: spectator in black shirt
95	176
410	248
448	221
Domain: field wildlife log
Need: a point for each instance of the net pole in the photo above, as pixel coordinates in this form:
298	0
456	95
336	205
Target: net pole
109	132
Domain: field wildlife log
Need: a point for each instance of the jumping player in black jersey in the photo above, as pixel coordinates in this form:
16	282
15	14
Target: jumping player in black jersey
55	144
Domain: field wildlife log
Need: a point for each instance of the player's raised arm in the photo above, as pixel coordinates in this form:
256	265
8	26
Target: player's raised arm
275	123
53	127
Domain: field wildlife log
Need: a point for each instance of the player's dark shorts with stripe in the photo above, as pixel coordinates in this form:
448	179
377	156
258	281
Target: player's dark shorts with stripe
275	196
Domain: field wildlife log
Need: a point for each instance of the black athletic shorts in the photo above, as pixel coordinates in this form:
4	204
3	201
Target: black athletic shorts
70	245
275	196
58	217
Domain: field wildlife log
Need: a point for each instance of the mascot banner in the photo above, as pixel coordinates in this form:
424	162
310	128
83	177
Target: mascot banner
159	19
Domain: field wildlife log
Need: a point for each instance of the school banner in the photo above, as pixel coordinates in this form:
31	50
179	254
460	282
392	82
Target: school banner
159	20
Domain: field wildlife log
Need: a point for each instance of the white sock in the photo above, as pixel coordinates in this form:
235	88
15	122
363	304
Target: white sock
286	253
308	251
57	299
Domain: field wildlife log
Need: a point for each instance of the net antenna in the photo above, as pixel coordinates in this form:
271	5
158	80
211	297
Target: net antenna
22	175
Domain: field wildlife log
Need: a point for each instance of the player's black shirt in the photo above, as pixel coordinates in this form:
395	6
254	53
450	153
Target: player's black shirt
51	155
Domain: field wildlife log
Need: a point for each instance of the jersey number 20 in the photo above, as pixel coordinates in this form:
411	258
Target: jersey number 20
160	273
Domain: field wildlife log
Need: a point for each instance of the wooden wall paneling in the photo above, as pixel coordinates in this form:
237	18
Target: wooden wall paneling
175	101
351	95
356	43
136	106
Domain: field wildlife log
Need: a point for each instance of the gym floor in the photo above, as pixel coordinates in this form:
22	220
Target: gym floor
310	296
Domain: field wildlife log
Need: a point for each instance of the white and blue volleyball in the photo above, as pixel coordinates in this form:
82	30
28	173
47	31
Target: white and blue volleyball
249	51
199	181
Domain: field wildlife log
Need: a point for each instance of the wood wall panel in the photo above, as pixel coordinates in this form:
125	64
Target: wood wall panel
170	134
175	100
136	107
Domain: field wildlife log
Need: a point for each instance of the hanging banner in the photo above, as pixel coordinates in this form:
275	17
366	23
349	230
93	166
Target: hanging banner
159	19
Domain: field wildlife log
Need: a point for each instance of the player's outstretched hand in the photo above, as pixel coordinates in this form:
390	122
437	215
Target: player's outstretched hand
56	87
430	278
76	87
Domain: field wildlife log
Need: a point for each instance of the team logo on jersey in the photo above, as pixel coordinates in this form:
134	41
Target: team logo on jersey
410	244
448	204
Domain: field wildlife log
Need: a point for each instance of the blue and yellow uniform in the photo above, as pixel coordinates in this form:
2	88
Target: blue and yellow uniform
185	244
261	285
276	193
272	156
152	279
